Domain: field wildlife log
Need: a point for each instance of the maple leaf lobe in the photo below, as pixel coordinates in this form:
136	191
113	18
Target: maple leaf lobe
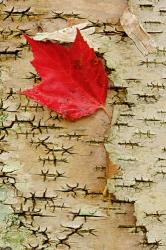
74	82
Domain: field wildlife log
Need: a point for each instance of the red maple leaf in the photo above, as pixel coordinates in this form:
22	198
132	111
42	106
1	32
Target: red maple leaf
74	82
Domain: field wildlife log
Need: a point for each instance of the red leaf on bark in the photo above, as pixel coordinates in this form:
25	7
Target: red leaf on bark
74	82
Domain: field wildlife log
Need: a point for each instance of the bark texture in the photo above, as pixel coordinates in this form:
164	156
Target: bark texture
52	172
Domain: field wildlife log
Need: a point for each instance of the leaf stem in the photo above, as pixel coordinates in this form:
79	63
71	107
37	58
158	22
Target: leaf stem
109	115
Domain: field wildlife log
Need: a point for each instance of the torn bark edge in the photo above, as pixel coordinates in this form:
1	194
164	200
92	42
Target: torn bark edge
67	34
130	25
111	170
136	32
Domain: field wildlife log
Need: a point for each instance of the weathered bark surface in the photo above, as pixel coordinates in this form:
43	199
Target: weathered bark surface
138	131
52	171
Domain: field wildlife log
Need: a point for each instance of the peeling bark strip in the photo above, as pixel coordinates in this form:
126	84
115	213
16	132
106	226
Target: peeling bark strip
67	34
136	32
